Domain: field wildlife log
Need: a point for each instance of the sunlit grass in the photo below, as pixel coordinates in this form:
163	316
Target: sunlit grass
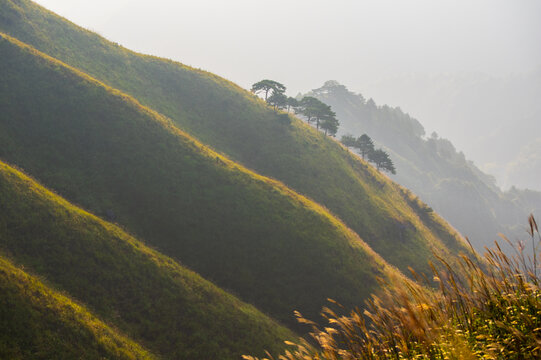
38	322
478	312
159	303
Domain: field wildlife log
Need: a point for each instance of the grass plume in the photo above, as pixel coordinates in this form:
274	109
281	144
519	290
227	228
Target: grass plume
489	309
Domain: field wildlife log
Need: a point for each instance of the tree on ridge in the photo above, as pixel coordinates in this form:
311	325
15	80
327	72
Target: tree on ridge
277	100
329	123
382	160
316	111
292	103
268	86
365	145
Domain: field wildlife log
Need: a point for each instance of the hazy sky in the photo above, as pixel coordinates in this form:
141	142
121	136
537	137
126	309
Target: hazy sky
302	43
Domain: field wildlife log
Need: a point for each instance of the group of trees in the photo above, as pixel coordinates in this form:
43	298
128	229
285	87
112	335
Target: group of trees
366	148
321	114
311	108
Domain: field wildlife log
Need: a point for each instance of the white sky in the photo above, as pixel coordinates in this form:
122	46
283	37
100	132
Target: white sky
302	43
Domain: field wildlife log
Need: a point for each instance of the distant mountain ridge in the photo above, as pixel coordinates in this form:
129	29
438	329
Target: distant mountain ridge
432	168
501	116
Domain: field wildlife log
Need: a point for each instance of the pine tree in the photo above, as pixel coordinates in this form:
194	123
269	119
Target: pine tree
365	145
382	160
268	86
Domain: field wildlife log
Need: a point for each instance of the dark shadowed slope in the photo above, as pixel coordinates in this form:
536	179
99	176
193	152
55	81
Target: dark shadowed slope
39	323
249	234
233	121
171	310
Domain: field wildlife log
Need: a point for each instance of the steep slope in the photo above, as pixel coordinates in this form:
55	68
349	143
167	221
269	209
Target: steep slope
171	310
39	323
232	121
250	234
433	168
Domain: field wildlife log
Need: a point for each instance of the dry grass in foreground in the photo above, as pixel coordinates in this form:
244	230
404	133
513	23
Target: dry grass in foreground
492	311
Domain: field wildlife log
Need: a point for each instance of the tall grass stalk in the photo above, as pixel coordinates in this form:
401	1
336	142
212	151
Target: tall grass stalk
487	308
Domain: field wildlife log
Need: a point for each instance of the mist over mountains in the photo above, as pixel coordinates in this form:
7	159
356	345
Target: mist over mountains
434	169
495	121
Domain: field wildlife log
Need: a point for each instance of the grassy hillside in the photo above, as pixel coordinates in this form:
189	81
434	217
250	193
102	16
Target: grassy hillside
234	122
170	309
39	323
249	234
435	170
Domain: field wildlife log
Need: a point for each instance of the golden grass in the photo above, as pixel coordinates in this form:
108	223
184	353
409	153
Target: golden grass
477	313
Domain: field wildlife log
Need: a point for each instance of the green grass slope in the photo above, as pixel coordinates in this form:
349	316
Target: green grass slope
171	310
39	323
249	234
236	123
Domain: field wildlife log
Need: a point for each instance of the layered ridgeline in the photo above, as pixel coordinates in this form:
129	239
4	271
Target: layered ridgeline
236	123
171	310
249	234
37	322
432	168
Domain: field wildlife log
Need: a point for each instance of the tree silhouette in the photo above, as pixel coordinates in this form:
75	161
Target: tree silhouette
292	103
308	107
267	86
329	123
365	145
277	100
316	111
388	166
382	160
